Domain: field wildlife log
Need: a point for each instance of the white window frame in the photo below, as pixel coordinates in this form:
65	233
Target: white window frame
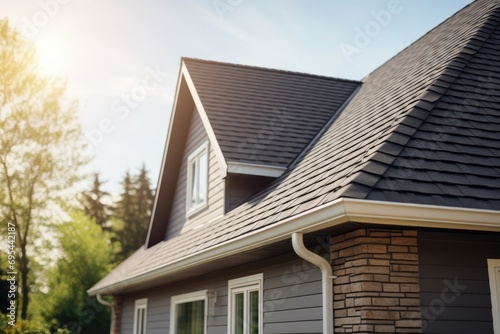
245	285
186	298
193	159
140	304
494	277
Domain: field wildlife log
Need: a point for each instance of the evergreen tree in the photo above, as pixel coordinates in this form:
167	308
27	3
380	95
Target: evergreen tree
144	199
93	202
133	211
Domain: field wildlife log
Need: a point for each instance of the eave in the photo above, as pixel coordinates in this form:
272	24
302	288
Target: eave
329	215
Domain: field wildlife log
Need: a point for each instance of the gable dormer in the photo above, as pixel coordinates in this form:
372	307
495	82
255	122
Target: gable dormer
234	130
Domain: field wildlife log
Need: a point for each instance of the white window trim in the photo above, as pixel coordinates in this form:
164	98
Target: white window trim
192	210
140	304
186	298
493	264
237	285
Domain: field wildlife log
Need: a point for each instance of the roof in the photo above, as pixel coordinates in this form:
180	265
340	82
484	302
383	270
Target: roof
424	128
265	116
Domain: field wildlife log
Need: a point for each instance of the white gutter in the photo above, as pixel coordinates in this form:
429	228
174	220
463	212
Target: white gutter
110	305
326	275
334	213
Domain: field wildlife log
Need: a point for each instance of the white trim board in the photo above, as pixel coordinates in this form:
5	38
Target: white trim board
494	278
255	169
204	119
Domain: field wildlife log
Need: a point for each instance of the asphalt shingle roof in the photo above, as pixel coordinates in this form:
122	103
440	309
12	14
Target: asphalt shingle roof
423	128
265	116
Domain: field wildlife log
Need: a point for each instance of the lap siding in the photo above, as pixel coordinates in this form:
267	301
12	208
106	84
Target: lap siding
455	294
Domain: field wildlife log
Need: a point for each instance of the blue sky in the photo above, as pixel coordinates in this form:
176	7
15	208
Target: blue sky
121	58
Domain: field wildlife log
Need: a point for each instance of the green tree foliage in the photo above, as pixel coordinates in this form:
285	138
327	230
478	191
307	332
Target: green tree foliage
84	259
133	211
94	205
40	147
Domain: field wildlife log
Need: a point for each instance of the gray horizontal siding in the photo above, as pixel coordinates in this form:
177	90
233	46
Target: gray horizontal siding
178	220
292	300
455	293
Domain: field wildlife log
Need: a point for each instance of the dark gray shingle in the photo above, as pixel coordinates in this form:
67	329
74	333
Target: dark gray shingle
265	116
445	162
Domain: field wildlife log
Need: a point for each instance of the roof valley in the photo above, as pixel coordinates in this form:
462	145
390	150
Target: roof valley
322	131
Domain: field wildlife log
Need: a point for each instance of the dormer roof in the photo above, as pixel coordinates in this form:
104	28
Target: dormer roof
263	116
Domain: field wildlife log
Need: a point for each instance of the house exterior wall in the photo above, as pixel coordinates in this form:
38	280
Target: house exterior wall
455	293
377	284
291	296
178	220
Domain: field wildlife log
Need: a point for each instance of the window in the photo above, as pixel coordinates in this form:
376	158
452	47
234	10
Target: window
245	305
188	313
494	276
197	191
140	316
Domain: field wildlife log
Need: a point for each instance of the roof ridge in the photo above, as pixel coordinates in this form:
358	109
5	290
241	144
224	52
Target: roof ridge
262	68
433	92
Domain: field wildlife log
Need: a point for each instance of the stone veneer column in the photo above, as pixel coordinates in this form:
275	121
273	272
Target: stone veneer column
377	285
117	302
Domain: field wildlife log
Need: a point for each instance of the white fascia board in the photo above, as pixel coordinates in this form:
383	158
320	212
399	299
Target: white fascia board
255	169
331	214
204	119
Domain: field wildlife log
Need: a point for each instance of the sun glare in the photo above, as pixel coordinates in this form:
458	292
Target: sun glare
53	56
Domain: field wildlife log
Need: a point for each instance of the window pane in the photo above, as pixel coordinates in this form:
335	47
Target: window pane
238	313
203	177
191	317
192	177
254	312
142	321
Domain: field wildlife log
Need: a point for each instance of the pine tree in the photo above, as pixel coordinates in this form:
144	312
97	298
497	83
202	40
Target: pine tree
144	201
94	203
133	210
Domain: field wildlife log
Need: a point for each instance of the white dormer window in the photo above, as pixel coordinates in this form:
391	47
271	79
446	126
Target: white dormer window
197	185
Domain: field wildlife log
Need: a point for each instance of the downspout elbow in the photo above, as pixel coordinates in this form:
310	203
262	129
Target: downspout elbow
112	307
327	276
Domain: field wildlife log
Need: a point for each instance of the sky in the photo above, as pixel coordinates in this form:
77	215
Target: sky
121	58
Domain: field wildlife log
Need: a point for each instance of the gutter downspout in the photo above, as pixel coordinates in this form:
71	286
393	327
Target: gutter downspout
111	306
327	276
